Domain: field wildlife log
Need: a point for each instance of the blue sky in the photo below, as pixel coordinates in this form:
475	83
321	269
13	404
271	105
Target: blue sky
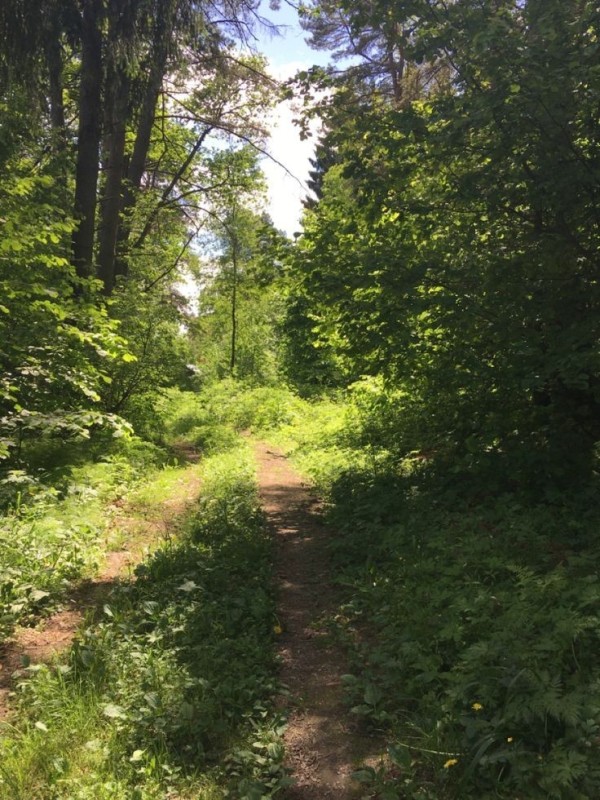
290	46
287	54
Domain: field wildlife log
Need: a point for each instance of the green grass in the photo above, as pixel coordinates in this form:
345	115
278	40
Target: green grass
170	693
471	612
53	532
160	487
470	618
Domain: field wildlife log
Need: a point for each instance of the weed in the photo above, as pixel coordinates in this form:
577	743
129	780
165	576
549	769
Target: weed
54	532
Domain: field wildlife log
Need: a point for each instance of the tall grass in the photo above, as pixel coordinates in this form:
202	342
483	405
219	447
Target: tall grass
170	693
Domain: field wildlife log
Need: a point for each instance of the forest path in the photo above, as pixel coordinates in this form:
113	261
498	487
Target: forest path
322	743
137	528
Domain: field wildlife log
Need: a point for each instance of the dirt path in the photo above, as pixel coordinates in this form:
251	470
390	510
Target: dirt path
138	530
322	743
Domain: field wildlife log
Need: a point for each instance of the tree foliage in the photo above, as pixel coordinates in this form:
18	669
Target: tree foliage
113	118
455	246
241	301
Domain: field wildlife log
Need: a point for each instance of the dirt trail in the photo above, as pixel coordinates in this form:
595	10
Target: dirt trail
322	743
52	636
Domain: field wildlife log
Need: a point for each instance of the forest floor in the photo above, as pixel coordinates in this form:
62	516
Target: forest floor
135	528
323	744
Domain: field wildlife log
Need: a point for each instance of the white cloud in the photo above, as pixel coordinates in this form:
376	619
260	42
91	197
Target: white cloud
286	193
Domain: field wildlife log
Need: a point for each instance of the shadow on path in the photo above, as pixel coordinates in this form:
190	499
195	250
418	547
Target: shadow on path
55	634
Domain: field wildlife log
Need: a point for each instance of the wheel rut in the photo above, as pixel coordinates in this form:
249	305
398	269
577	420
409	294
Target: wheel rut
55	634
322	742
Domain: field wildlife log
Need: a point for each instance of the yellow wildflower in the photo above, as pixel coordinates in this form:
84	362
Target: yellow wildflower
476	706
510	738
450	763
277	629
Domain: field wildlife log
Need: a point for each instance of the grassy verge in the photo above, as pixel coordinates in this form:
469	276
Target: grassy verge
168	695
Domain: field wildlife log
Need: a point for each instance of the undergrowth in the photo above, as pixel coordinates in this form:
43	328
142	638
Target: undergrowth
470	619
169	694
471	612
53	528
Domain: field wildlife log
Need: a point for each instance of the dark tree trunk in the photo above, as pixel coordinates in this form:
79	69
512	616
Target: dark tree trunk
147	114
55	87
54	64
114	167
88	139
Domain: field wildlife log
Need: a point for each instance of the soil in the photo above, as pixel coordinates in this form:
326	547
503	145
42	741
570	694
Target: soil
323	744
137	532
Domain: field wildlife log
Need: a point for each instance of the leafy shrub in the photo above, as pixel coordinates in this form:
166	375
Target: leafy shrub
179	412
52	535
40	556
212	439
482	634
260	408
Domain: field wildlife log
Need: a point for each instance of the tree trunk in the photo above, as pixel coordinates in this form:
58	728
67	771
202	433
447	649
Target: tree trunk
118	100
234	264
55	67
55	88
137	164
88	139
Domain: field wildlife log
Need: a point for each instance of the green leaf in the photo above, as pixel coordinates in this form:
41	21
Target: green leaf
113	711
372	695
188	586
365	775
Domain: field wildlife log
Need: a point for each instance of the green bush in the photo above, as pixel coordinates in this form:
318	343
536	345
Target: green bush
246	408
52	535
483	638
40	556
212	439
179	412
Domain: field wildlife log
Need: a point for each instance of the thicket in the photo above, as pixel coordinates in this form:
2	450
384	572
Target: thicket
454	245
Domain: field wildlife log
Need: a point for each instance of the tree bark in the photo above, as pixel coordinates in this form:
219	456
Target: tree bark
55	87
88	139
137	163
118	100
234	264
